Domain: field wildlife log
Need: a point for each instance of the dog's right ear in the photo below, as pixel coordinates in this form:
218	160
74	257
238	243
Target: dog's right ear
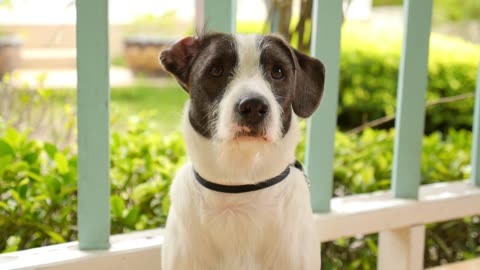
178	59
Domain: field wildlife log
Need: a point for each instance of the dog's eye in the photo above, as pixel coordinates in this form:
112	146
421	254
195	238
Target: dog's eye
216	71
277	73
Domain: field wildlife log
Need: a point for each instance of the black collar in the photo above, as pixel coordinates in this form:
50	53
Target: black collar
246	188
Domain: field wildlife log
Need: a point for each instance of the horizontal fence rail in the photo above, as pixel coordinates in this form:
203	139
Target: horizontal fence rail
381	211
349	216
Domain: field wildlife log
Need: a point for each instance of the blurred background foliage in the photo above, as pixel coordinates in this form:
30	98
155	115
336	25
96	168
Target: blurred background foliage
445	11
297	28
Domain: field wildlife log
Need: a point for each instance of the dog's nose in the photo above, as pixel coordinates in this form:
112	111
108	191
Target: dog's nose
253	109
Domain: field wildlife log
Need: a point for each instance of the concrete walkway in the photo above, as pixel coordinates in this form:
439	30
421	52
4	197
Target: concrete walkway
67	78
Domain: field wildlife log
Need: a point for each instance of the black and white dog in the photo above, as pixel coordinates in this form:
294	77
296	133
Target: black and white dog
239	203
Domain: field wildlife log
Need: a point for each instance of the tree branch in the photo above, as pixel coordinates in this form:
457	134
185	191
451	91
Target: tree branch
429	104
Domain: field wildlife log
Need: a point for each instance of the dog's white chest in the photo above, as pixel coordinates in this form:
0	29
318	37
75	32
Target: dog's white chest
265	229
240	222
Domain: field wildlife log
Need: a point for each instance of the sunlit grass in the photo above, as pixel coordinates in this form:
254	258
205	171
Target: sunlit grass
160	104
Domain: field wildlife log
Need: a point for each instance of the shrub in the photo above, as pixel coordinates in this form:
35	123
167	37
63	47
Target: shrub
143	164
38	185
38	188
363	164
37	192
368	82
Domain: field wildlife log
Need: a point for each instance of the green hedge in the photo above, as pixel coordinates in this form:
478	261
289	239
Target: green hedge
38	188
363	164
38	185
37	191
369	69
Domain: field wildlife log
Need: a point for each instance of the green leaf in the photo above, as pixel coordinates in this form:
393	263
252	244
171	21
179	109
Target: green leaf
31	157
132	216
117	205
56	237
141	192
61	162
22	188
16	196
53	185
5	163
372	245
4	206
165	204
12	243
50	149
34	176
13	137
6	149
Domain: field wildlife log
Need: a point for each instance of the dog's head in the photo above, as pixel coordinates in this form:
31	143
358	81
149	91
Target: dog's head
244	87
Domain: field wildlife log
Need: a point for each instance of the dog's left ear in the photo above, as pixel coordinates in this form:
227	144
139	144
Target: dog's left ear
309	82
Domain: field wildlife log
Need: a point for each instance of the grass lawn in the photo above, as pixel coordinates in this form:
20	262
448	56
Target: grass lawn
160	104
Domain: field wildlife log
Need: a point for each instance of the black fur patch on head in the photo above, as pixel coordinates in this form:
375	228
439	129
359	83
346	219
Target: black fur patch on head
204	75
275	55
304	89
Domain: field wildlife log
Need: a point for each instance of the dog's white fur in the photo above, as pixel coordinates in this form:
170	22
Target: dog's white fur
270	228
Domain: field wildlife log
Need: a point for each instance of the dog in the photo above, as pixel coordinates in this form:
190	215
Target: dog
240	203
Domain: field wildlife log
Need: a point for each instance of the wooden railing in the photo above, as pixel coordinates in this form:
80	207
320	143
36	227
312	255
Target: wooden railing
398	215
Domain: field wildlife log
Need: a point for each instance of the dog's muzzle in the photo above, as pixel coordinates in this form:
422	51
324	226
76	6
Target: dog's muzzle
252	110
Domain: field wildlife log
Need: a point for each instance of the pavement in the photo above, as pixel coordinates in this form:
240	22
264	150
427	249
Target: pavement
67	78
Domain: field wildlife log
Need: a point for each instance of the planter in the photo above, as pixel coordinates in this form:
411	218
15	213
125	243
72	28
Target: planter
9	53
141	54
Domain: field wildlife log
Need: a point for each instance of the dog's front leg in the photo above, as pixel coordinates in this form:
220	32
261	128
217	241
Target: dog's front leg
172	246
184	246
177	249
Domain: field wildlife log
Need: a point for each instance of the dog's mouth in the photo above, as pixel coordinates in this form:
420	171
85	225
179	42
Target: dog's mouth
248	133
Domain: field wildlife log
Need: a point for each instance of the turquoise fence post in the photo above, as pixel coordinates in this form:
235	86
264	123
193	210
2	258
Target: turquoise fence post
412	86
326	32
220	15
93	95
476	136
